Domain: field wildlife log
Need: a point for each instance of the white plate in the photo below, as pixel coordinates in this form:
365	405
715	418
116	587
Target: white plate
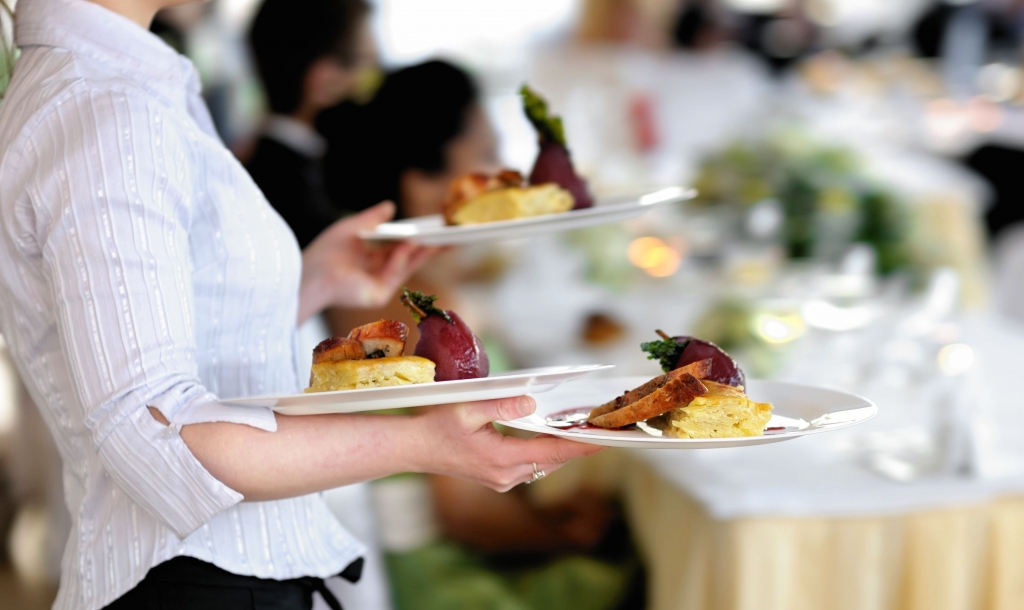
431	230
501	385
798	409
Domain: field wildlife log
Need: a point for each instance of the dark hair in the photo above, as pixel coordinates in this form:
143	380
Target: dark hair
288	36
416	112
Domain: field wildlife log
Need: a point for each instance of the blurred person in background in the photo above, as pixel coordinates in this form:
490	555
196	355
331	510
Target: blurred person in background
310	56
963	37
424	127
145	275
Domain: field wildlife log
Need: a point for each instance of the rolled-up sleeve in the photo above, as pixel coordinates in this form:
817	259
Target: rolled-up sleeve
112	191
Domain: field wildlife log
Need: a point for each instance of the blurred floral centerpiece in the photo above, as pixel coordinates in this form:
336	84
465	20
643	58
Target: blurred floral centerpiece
809	197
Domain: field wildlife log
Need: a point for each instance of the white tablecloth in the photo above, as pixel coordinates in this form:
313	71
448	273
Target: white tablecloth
826	474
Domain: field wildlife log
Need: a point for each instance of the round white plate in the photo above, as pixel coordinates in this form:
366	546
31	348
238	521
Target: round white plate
500	385
799	410
431	230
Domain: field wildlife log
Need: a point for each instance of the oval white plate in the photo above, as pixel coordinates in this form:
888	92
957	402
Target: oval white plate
500	385
798	409
431	230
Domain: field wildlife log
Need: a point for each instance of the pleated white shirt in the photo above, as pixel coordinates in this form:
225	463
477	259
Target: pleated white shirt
141	266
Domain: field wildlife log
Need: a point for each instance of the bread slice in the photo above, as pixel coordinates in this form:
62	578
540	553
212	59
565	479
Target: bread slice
374	373
674	391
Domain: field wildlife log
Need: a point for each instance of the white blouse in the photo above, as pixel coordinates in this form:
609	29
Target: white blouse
143	267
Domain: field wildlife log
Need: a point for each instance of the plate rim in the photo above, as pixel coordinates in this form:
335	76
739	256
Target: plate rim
739	440
685	193
457	383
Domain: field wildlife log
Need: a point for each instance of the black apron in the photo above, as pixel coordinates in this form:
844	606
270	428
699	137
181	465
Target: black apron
188	583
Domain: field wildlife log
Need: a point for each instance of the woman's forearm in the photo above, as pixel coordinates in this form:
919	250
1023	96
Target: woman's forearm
306	454
316	452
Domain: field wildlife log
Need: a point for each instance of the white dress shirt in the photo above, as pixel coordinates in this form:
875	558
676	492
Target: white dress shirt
142	267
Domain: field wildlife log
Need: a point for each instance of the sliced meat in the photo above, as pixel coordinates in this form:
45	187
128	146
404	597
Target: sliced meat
381	339
338	348
675	392
700	370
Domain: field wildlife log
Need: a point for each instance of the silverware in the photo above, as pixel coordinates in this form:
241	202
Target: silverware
567	420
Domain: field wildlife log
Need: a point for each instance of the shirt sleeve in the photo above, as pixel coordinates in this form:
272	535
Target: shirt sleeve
113	177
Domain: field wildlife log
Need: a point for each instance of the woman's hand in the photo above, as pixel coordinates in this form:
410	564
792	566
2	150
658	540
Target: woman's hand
459	441
341	269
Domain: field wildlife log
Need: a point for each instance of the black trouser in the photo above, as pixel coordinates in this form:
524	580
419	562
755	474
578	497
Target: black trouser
191	584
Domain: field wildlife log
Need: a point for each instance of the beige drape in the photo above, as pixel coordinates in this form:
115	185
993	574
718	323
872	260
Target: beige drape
968	558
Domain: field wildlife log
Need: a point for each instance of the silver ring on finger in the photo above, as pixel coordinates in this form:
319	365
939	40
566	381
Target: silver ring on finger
537	474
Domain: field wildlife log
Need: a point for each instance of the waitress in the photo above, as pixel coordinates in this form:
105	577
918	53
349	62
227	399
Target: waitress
144	275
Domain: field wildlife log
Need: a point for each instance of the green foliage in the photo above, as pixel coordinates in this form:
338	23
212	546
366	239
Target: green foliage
666	352
812	183
8	52
884	226
604	250
548	126
799	199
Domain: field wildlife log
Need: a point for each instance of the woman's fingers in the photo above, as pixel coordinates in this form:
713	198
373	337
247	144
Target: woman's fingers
476	415
403	261
474	450
371	217
553	450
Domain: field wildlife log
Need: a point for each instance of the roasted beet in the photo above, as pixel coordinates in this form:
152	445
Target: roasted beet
554	163
723	368
677	352
455	351
446	340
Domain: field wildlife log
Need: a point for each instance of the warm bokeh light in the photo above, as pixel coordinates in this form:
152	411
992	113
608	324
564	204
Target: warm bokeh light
778	328
654	256
955	358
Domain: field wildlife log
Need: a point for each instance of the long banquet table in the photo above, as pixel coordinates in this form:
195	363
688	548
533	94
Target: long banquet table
958	557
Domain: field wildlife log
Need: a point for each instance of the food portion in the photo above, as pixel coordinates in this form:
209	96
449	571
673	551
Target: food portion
723	412
480	198
375	373
554	185
676	352
700	395
553	163
370	357
382	339
446	340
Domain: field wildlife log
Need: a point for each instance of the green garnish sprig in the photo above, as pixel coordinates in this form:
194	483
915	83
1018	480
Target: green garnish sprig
666	352
421	305
547	125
